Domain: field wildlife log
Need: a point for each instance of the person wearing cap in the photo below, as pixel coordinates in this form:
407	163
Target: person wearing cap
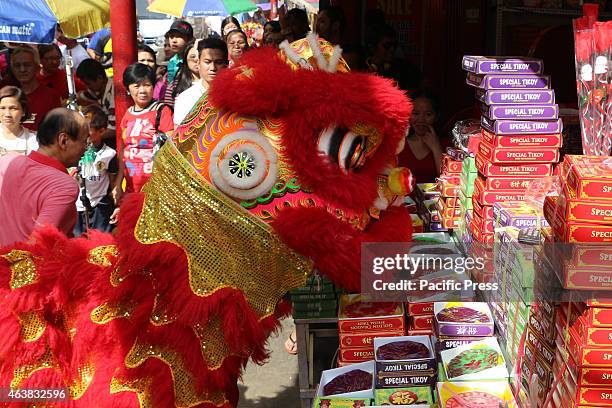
179	34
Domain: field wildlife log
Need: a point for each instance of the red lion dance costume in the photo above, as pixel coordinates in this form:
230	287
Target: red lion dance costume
278	170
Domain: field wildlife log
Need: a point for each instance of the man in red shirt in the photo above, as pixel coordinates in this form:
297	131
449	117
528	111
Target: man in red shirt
41	99
36	190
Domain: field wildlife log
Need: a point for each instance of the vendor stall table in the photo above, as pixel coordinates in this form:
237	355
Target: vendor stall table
306	331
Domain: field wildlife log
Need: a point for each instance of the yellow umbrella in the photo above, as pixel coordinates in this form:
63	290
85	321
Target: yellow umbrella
80	17
34	21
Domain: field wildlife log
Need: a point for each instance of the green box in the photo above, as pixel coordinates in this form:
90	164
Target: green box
403	396
313	314
323	288
307	297
319	305
469	165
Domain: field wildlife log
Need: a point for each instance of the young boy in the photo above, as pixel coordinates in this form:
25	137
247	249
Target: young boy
98	168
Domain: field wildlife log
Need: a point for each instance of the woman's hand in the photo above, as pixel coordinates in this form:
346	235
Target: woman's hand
430	138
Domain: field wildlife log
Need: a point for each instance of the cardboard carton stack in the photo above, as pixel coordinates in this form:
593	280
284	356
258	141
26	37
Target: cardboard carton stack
316	300
521	133
581	221
517	225
420	318
582	367
449	183
427	195
360	322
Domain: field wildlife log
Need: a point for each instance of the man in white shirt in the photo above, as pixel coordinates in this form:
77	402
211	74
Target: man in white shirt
212	53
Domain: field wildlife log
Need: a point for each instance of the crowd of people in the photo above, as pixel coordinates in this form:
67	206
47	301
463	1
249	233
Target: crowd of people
56	147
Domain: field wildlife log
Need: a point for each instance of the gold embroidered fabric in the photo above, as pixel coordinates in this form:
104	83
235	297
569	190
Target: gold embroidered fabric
226	246
33	326
23	268
184	390
159	314
103	255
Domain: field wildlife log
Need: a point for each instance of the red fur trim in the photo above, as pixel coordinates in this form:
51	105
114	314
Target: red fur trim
335	246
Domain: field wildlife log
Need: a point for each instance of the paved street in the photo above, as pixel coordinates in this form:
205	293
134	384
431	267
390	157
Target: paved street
274	384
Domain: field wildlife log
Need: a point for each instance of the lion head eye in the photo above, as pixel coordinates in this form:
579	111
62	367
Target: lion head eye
344	147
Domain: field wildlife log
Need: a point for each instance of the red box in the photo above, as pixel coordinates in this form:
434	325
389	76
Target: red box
356	355
589	176
356	317
449	186
450	223
420	309
486	226
365	340
488	239
586	356
421	322
554	140
593	336
446	211
545	351
487	169
504	155
575	209
485	211
490	197
450	165
596	377
415	332
508	183
576	233
598	317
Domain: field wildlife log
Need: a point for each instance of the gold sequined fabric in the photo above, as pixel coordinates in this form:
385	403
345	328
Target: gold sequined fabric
141	386
77	388
212	344
23	268
106	312
22	373
33	326
184	390
226	246
103	255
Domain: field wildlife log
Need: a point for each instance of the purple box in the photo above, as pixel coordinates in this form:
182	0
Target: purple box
523	112
494	65
518	96
522	127
515	81
463	319
519	215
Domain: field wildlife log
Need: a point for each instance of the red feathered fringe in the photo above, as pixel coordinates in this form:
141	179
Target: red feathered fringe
334	245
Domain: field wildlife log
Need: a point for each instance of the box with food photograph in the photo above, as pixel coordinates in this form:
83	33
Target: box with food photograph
410	396
354	381
478	361
489	394
404	356
470	319
357	316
